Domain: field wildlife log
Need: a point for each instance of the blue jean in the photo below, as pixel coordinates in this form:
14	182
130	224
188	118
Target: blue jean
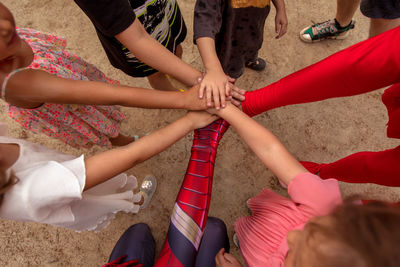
138	244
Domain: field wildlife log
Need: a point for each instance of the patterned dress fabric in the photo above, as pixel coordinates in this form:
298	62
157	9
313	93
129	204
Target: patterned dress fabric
76	125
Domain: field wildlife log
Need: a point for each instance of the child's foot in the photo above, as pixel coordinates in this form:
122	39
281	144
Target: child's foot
147	189
122	140
257	64
329	29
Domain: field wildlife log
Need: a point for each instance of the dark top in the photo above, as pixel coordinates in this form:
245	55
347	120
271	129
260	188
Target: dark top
161	19
237	29
380	9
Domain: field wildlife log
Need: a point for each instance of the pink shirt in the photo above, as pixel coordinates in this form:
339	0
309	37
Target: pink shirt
262	236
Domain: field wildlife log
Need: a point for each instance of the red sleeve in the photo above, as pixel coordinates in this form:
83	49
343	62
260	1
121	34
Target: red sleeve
363	67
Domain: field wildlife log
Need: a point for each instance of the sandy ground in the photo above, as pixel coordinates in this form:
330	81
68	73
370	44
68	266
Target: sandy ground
323	131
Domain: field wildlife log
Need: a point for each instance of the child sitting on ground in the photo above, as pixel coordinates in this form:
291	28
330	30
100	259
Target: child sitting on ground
228	34
42	185
313	228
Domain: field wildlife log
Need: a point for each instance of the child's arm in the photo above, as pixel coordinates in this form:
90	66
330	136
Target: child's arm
106	165
30	88
281	21
264	144
207	24
215	82
151	52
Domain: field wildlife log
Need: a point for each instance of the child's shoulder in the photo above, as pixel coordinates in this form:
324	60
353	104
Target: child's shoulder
309	190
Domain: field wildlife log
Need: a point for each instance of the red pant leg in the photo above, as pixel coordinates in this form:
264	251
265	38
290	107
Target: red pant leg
381	167
361	68
391	99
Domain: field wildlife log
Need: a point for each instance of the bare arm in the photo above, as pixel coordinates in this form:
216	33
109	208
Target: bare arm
148	50
264	144
281	21
215	81
106	165
30	88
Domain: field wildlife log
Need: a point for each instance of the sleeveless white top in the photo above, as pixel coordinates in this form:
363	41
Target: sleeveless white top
50	190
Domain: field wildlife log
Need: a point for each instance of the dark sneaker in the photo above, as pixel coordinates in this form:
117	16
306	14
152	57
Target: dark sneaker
329	29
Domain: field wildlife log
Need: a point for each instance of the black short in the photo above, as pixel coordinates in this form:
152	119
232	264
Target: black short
380	9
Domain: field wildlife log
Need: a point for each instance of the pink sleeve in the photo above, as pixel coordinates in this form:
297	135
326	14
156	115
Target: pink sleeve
311	192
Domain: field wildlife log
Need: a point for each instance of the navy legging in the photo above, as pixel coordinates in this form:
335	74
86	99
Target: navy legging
138	244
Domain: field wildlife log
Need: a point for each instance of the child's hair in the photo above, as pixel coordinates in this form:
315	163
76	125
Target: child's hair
359	236
6	182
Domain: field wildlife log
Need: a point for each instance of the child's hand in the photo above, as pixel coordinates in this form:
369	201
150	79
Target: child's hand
220	112
237	95
216	87
281	23
223	259
192	100
200	119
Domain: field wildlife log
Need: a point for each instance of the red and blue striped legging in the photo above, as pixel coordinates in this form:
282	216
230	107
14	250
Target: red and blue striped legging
361	68
190	212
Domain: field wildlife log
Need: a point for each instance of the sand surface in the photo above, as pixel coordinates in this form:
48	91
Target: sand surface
324	131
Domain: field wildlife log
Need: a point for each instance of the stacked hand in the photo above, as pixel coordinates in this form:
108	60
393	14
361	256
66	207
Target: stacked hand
218	89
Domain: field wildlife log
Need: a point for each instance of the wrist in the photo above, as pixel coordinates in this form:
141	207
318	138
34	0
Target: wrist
196	77
189	121
183	100
214	68
226	112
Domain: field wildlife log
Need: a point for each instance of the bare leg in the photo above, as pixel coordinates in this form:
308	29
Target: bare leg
122	140
160	81
379	26
345	11
179	51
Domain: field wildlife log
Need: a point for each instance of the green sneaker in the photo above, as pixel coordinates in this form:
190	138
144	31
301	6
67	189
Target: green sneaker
325	30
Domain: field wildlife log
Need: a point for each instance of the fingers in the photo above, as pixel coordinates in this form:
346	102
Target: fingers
238	97
216	97
228	89
201	90
238	94
223	97
236	103
208	97
229	257
219	258
277	29
230	79
283	29
280	27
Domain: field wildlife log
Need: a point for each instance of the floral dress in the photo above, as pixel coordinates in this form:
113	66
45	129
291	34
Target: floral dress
76	125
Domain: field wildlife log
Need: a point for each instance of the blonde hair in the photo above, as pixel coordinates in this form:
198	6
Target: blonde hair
6	182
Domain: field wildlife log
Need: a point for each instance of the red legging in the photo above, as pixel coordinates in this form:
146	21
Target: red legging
361	68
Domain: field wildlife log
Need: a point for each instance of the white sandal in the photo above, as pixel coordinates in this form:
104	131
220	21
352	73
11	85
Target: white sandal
147	189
